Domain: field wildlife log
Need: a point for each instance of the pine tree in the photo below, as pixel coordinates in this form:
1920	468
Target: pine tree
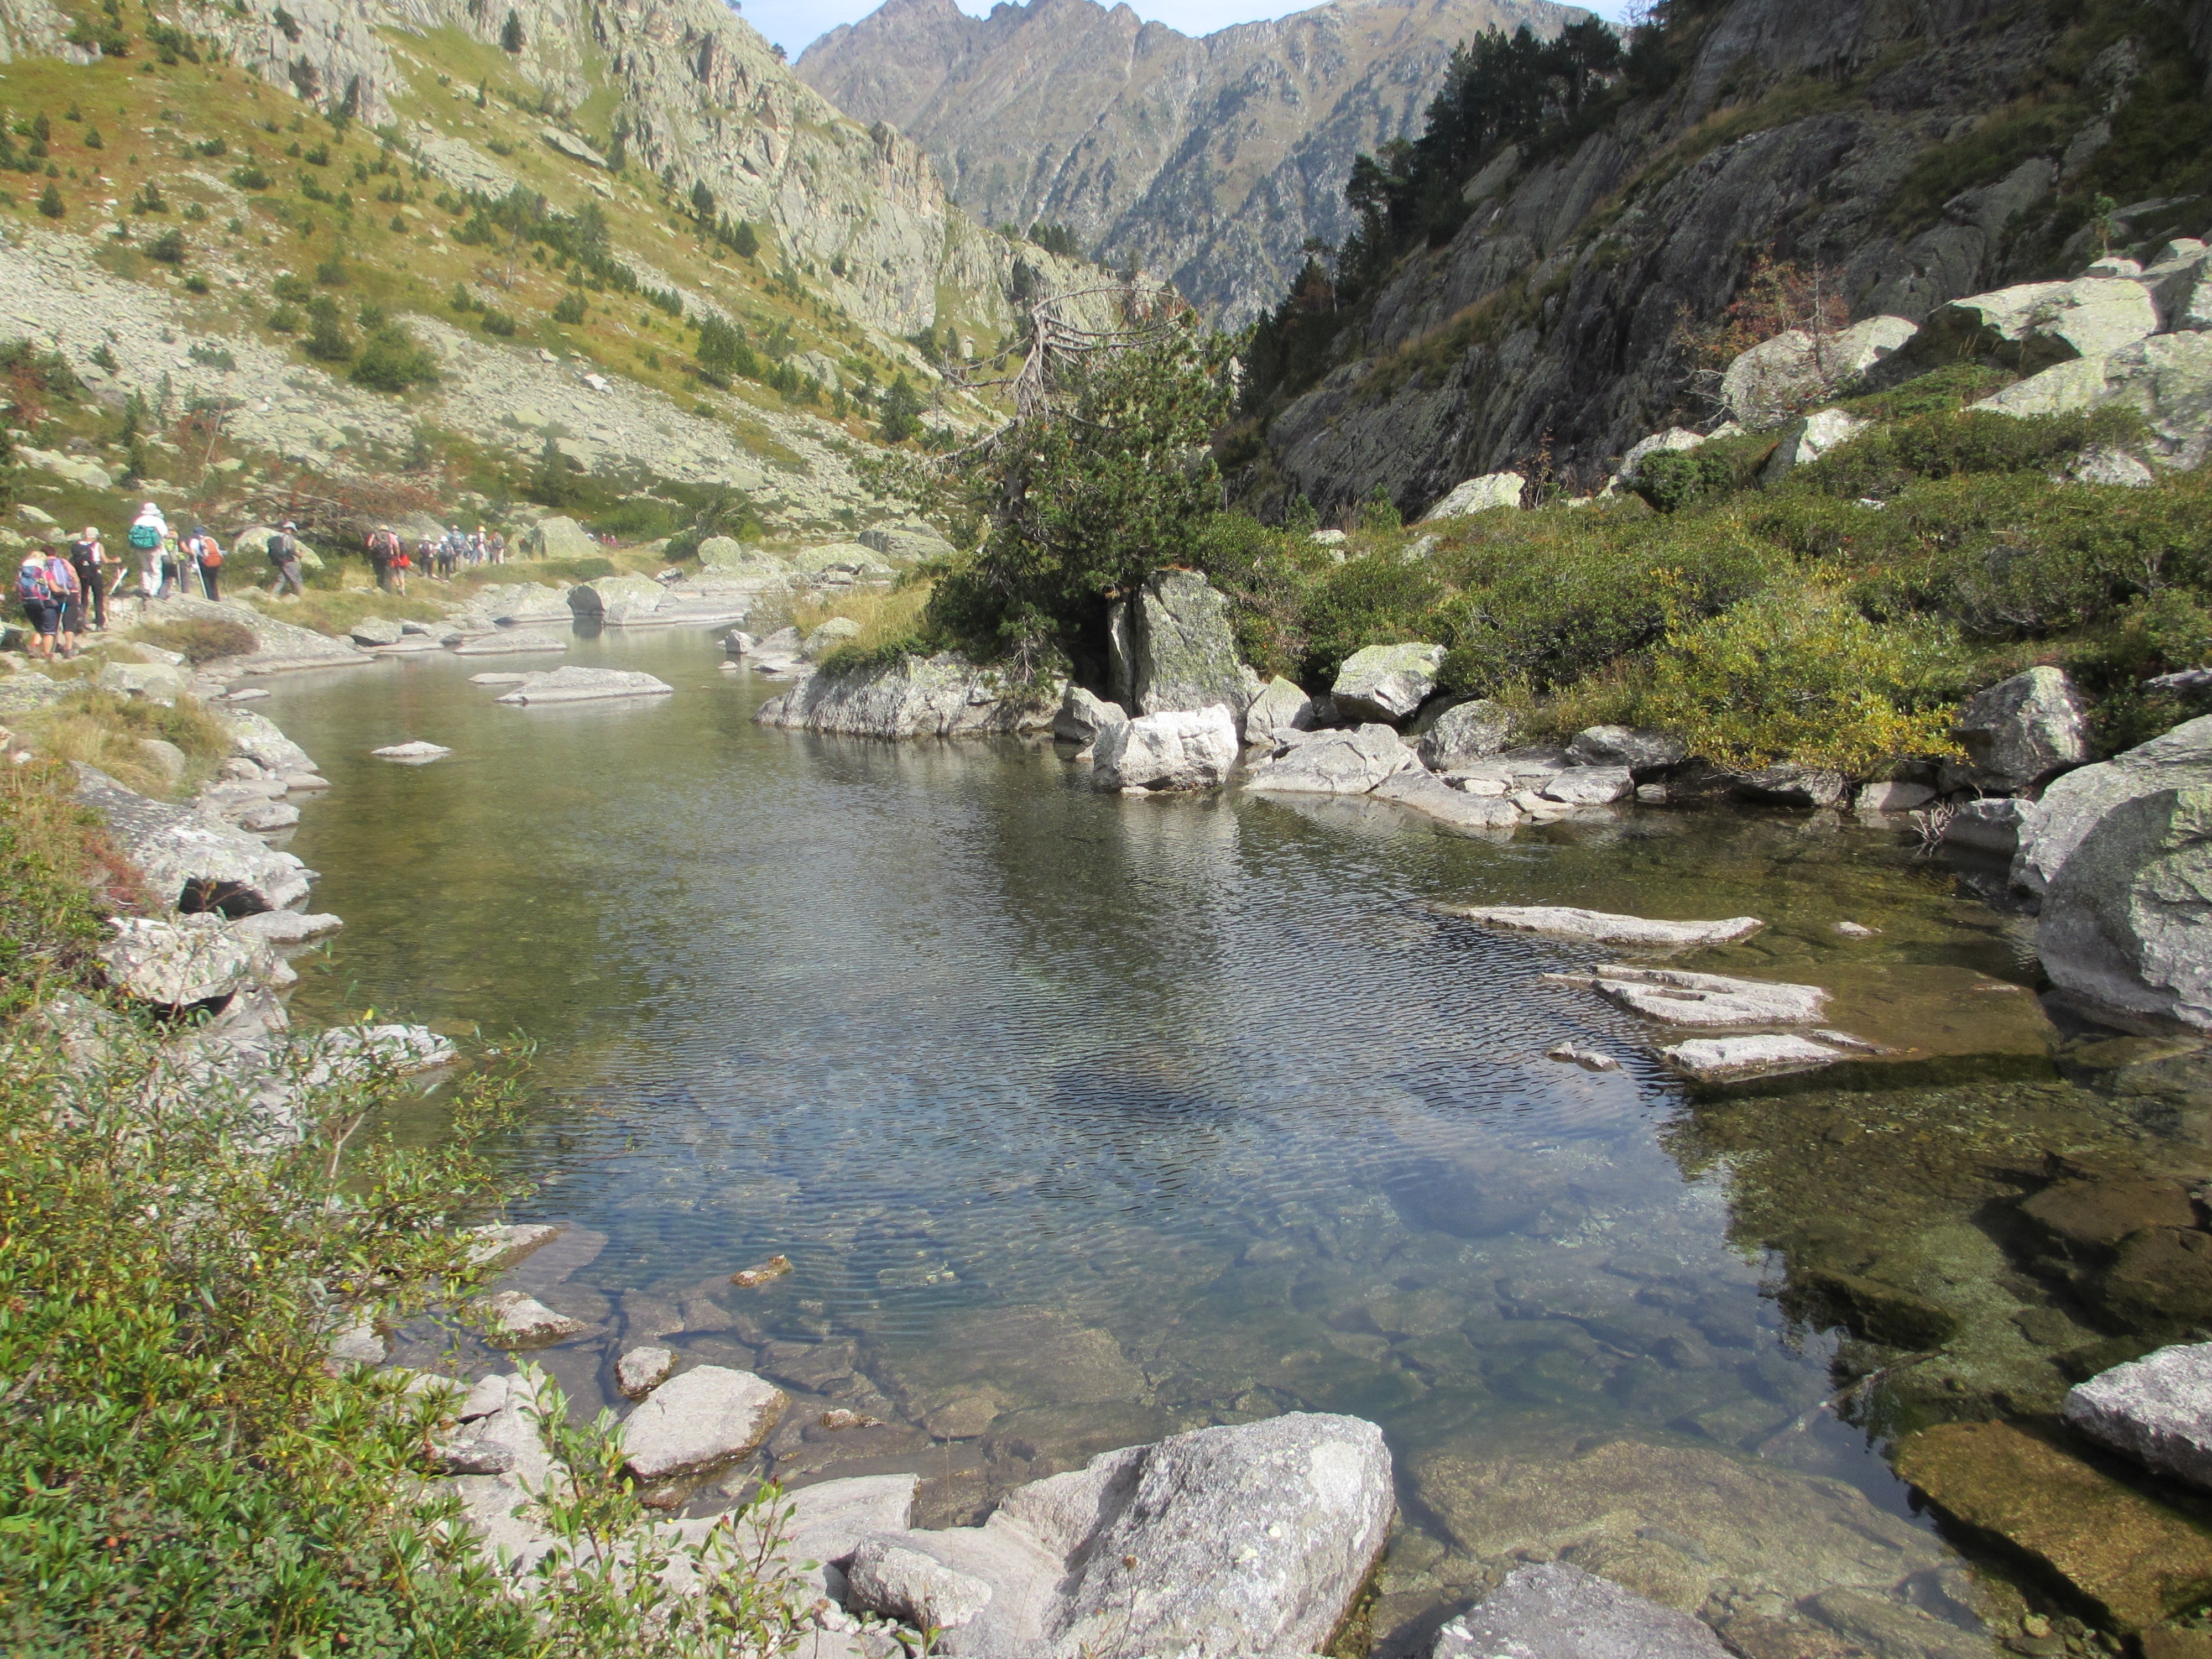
51	204
510	33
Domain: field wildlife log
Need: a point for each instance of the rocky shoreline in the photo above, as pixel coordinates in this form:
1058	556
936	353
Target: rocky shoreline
1183	1526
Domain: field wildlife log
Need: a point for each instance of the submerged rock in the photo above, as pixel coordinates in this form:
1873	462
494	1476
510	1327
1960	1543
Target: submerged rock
1677	998
2157	1410
1729	1060
1556	1611
1176	751
413	754
1600	927
525	642
1254	1538
2136	1560
1386	682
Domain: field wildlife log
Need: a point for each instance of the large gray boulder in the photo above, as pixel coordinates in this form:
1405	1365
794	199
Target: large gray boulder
152	682
2179	281
1466	733
558	538
178	964
1806	440
1249	1539
1777	377
2157	1410
373	631
1341	762
2124	851
2023	732
1386	682
708	1417
1281	705
258	739
941	696
907	543
1083	716
612	601
1179	749
1642	752
2167	379
1492	490
1557	1610
2032	325
1173	649
190	860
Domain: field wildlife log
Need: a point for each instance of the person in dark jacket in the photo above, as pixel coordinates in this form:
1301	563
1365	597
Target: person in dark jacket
89	560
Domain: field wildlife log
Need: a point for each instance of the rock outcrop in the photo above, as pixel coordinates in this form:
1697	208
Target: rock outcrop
941	696
1335	763
1465	732
191	860
585	685
1173	650
2121	852
1248	1539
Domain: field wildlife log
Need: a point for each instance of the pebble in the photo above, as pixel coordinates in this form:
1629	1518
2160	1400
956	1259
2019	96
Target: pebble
774	1268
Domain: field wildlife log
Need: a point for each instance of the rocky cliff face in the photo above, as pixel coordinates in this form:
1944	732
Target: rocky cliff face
1213	160
1916	153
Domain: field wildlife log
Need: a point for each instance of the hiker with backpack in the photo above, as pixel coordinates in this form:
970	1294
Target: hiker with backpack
384	552
284	560
89	559
61	579
206	555
149	530
36	594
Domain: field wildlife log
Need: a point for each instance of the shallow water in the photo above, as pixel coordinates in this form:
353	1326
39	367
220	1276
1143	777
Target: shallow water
1086	1119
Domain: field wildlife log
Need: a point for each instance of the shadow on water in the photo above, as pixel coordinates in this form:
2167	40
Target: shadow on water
1086	1120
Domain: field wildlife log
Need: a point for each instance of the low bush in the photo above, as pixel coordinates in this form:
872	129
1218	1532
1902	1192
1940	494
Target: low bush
394	360
180	1473
1673	479
199	639
1881	462
103	730
1801	674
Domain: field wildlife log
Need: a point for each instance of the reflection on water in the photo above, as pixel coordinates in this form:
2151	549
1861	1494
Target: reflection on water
1087	1119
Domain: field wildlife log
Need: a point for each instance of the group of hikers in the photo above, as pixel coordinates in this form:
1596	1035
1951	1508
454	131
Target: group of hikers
435	556
65	591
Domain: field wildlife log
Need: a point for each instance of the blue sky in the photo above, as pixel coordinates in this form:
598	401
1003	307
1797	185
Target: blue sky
793	23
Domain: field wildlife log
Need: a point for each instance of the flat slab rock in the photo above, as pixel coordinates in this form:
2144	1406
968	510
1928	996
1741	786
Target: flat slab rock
1556	1611
708	1416
2157	1410
191	860
1675	998
1251	1538
410	753
286	926
510	645
1727	1060
519	1320
2137	1559
1601	927
586	685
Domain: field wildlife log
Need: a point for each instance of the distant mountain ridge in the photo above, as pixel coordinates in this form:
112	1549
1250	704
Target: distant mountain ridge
1210	160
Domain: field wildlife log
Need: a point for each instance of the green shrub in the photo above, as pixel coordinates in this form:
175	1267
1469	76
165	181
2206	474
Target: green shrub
327	339
1672	479
53	860
1942	391
168	248
1797	674
1375	600
569	309
293	290
199	639
1948	444
393	360
496	322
